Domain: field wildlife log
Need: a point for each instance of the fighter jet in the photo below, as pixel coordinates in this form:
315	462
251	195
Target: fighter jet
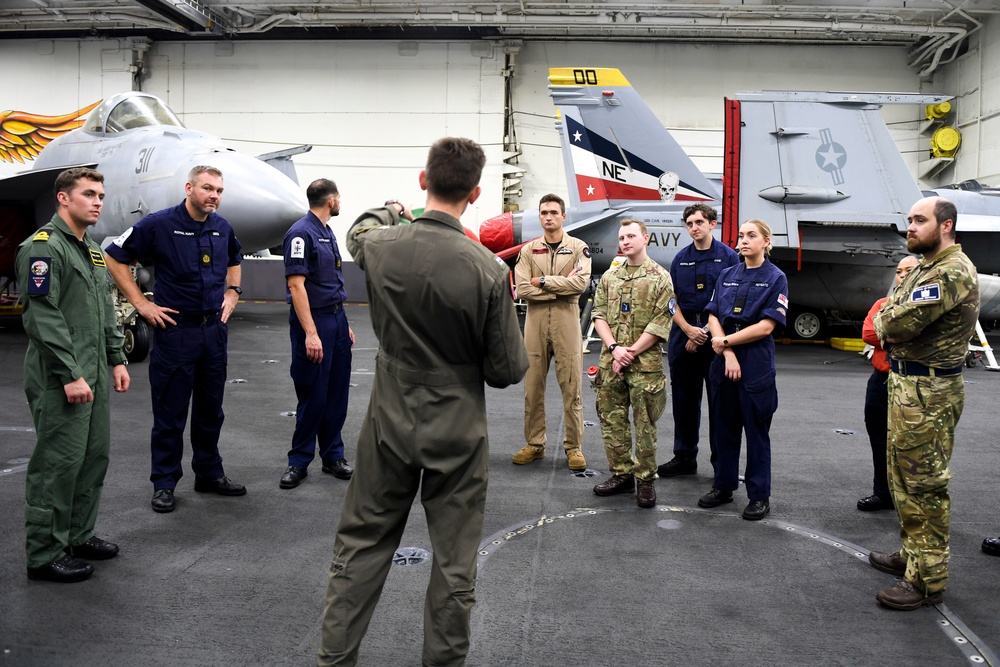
145	154
838	257
822	167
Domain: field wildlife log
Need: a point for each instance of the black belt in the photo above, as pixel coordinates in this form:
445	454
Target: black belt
328	310
698	318
903	367
197	319
732	328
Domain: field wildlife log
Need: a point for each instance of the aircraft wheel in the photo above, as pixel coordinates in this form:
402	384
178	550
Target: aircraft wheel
808	325
137	341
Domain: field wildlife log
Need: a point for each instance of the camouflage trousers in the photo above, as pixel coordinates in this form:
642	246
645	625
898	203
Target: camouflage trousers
647	395
923	413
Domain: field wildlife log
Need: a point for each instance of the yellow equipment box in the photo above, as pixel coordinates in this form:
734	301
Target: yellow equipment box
848	344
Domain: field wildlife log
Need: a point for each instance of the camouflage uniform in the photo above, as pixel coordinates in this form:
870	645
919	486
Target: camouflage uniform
935	309
631	305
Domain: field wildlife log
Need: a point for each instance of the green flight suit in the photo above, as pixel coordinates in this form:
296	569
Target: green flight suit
935	311
70	322
633	301
441	308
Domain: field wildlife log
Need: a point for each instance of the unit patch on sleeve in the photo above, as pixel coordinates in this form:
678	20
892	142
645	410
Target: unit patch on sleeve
926	293
97	257
38	282
297	248
783	300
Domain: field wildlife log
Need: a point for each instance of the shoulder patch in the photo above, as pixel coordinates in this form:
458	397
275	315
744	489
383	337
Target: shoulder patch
38	281
41	236
297	248
783	300
586	251
926	293
672	305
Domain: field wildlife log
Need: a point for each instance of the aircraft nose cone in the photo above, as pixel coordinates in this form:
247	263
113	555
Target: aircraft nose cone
259	201
497	233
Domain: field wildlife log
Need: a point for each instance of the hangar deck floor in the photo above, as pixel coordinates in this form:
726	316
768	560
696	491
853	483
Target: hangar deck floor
566	578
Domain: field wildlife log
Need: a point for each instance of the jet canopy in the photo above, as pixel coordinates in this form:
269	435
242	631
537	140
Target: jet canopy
127	111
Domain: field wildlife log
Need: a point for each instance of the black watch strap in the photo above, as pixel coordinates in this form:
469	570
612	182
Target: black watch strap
237	289
611	348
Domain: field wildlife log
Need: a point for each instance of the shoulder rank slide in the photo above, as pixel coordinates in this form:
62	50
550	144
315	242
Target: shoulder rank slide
97	257
42	236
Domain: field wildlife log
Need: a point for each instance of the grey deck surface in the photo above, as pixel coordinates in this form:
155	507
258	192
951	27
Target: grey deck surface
566	578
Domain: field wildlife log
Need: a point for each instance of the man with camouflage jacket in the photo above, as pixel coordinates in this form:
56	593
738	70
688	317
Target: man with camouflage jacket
632	317
925	325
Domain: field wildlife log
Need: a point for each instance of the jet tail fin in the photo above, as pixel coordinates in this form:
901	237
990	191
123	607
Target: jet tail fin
616	152
811	159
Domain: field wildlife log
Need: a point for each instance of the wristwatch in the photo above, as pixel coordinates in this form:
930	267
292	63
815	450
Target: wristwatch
396	201
725	341
611	348
541	282
236	288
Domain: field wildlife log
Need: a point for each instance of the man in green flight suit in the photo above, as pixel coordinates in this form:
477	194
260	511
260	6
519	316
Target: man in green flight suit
632	317
72	337
925	325
442	311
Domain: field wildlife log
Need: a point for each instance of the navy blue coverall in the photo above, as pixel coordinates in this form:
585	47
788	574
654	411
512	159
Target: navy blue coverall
188	360
744	297
694	274
310	250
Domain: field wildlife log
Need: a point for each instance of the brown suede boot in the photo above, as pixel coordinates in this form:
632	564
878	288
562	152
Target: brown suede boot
527	454
574	457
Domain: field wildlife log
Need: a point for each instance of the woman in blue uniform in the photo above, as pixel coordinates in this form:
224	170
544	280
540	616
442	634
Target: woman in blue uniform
750	299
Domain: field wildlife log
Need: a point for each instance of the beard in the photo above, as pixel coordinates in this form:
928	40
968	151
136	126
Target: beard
922	247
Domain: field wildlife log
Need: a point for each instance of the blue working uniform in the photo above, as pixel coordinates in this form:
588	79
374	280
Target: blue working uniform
694	274
744	297
310	250
191	259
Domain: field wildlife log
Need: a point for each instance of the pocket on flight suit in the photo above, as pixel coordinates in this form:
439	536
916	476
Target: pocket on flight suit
655	393
763	395
920	423
39	517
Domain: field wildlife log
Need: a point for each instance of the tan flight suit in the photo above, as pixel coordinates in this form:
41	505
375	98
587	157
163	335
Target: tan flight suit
442	311
552	329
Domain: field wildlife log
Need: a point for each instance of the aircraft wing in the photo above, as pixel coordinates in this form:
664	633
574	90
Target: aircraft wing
30	185
282	160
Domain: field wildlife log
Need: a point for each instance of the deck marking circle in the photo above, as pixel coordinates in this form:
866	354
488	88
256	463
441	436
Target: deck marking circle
974	648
